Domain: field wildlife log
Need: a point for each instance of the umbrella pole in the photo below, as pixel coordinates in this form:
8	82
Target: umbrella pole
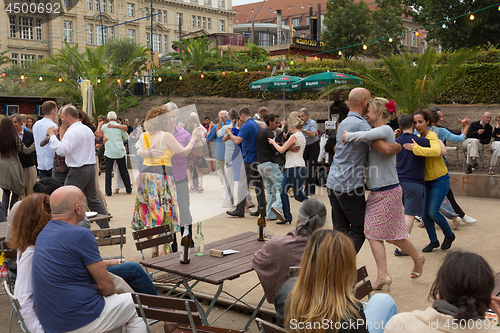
284	104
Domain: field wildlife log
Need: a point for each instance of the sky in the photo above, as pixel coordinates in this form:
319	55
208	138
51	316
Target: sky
243	2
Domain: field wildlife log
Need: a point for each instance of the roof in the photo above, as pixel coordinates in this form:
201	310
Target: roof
35	99
289	8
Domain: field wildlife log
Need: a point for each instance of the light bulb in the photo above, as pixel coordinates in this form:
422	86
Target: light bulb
365	47
471	17
118	80
60	79
246	70
291	62
417	33
202	75
223	73
180	77
79	80
159	79
315	58
443	26
340	53
3	74
390	39
98	80
22	76
40	78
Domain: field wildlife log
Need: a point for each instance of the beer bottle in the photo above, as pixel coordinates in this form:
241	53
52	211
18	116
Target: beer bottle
261	223
199	240
185	243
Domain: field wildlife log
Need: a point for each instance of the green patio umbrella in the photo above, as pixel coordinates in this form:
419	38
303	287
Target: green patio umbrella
280	83
317	82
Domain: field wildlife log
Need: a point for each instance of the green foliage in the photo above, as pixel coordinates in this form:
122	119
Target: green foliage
416	84
461	32
128	102
196	53
346	23
126	51
386	20
165	101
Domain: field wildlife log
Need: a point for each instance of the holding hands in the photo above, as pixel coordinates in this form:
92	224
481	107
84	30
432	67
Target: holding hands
343	137
409	146
51	131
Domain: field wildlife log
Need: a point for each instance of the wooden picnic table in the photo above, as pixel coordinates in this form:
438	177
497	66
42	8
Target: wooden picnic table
100	217
214	270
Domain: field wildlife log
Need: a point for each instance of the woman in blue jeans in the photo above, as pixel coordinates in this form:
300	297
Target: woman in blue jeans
295	167
437	182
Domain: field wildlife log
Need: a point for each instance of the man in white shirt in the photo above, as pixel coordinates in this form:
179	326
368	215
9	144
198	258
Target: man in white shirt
77	146
45	155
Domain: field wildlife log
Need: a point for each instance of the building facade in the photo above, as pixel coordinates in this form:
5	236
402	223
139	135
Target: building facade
28	31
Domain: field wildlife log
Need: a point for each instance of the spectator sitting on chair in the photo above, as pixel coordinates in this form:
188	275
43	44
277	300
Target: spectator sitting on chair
479	133
72	289
272	262
495	145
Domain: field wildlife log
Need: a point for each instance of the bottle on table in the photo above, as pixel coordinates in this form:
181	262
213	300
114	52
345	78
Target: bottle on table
261	224
185	243
199	240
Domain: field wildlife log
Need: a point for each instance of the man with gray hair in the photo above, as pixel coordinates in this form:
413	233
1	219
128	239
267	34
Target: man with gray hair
220	147
78	146
479	133
311	152
114	151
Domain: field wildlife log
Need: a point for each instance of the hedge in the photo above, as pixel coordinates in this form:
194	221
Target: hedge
480	85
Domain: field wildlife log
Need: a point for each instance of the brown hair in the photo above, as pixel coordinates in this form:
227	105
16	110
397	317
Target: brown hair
31	217
48	107
9	141
465	280
433	117
154	122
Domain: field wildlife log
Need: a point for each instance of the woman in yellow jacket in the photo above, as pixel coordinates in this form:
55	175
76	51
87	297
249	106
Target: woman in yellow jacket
437	183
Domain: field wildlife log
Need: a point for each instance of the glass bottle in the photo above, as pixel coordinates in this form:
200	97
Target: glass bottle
199	241
185	250
261	224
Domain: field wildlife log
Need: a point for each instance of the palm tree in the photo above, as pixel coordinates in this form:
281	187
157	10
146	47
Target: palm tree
195	53
416	84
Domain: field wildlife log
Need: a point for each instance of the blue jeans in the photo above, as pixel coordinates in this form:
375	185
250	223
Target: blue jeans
435	192
272	177
135	276
44	173
294	177
379	309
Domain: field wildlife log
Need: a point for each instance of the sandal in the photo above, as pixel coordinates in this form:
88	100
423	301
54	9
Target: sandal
191	188
416	275
200	189
491	171
400	253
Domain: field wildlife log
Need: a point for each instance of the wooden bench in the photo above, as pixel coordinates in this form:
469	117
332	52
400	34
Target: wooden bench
109	237
365	287
267	327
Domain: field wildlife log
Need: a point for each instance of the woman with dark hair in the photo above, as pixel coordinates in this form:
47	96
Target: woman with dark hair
11	170
461	299
437	182
31	217
323	292
30	121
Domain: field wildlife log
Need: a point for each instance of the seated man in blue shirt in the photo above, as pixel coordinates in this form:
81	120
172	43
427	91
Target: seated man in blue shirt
73	291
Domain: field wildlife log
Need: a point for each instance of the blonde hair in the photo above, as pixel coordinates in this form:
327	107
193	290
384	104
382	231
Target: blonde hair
294	120
154	120
378	104
325	285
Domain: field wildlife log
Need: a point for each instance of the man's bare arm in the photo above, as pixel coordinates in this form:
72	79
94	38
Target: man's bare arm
386	148
103	280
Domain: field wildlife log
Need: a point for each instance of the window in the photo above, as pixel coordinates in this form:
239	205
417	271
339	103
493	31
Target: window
165	43
146	11
90	34
156	42
283	22
40	57
148	40
403	39
131	34
110	6
26	27
204	22
27	58
13	29
209	23
39	35
221	3
179	18
96	5
308	20
264	39
103	6
164	16
98	35
413	40
89	4
208	2
296	21
198	21
109	33
68	31
14	58
193	21
66	3
222	24
130	9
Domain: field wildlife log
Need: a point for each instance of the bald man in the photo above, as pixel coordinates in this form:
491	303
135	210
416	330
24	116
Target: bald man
479	133
346	179
72	288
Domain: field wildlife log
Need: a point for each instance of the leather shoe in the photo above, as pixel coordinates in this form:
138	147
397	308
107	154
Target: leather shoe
469	170
447	242
256	213
431	246
284	222
235	213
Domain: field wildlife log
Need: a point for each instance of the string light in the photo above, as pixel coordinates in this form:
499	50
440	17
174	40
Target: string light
60	79
22	76
3	74
180	77
471	17
390	39
40	78
315	58
79	80
202	75
223	73
98	80
159	78
246	70
291	62
268	66
340	53
365	47
417	33
118	80
443	26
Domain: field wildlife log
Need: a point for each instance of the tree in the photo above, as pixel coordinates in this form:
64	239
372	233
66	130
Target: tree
460	32
346	24
386	20
416	84
195	53
125	50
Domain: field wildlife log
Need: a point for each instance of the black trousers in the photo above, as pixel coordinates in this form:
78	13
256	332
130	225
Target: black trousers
454	204
311	153
348	214
254	176
182	189
122	167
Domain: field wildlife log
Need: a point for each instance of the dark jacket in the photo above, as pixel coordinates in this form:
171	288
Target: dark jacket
28	160
485	137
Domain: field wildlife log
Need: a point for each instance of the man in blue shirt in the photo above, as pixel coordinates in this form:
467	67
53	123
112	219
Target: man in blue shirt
346	179
247	138
73	291
220	147
311	152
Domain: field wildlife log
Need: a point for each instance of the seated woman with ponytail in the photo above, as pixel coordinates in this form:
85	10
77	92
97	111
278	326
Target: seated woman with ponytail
462	293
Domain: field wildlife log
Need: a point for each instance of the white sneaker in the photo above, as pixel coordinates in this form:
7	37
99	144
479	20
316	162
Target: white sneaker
469	219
